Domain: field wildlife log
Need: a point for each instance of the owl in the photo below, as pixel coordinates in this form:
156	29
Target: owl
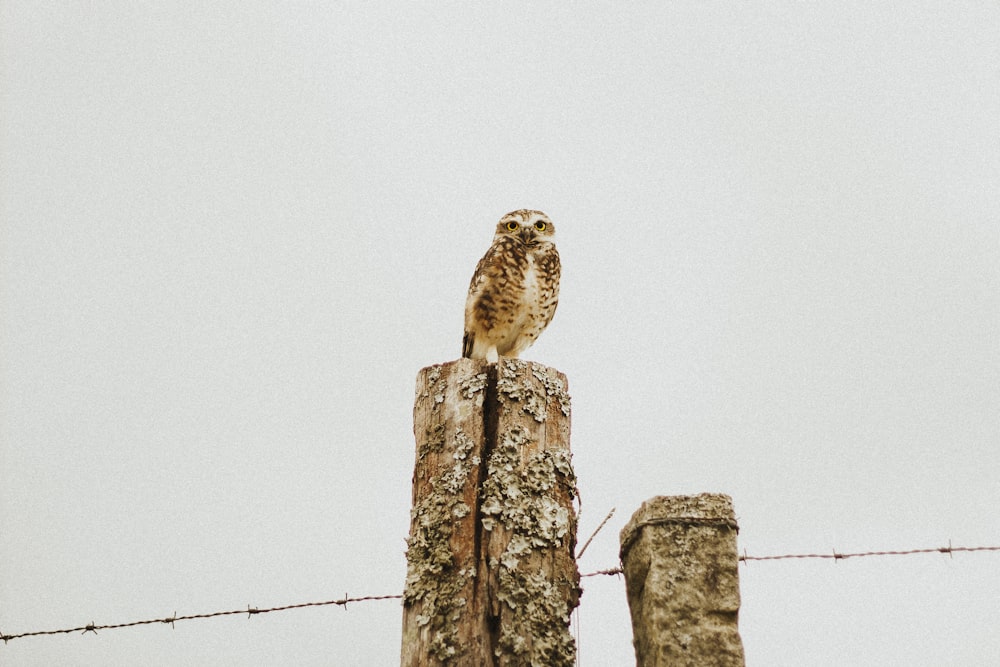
515	289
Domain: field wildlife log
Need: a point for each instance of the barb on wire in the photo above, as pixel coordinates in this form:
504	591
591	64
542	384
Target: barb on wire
249	611
610	571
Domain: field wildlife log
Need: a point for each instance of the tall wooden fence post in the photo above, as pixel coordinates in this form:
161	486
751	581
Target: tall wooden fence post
491	579
680	563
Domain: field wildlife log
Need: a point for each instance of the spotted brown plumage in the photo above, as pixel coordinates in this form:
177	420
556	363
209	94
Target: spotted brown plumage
515	289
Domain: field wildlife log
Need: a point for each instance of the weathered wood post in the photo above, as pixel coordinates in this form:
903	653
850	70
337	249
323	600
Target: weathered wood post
491	578
680	563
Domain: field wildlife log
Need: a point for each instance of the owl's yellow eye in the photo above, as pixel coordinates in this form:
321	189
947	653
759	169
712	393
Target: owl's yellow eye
540	226
511	226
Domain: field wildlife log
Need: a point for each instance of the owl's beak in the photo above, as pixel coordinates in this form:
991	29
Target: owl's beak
527	235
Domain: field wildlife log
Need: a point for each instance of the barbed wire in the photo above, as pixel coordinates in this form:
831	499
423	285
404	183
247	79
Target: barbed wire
834	555
614	571
249	611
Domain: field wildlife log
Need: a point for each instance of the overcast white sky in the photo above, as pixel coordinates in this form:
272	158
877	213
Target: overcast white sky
232	232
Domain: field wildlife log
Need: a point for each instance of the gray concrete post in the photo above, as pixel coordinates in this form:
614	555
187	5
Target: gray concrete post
680	563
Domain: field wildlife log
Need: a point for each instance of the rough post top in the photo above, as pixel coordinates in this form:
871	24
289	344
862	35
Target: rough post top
514	378
704	509
507	363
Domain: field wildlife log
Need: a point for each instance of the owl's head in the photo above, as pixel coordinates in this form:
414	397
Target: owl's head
529	227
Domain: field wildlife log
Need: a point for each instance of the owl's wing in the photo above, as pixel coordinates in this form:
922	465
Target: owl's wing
551	269
485	270
482	272
467	342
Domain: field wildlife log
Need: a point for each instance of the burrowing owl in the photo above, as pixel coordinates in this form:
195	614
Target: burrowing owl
515	289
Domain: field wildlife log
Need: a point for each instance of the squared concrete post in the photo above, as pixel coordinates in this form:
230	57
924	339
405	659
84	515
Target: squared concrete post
680	563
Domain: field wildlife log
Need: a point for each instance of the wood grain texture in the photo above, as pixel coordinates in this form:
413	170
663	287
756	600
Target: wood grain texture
491	578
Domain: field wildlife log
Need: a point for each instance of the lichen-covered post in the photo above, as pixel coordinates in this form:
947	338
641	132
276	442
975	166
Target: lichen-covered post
442	558
491	578
680	563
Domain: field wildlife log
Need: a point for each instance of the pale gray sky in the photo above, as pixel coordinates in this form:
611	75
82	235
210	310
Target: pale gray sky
231	233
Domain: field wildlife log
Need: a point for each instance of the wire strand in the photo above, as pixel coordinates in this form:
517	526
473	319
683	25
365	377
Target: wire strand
615	571
834	555
249	611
